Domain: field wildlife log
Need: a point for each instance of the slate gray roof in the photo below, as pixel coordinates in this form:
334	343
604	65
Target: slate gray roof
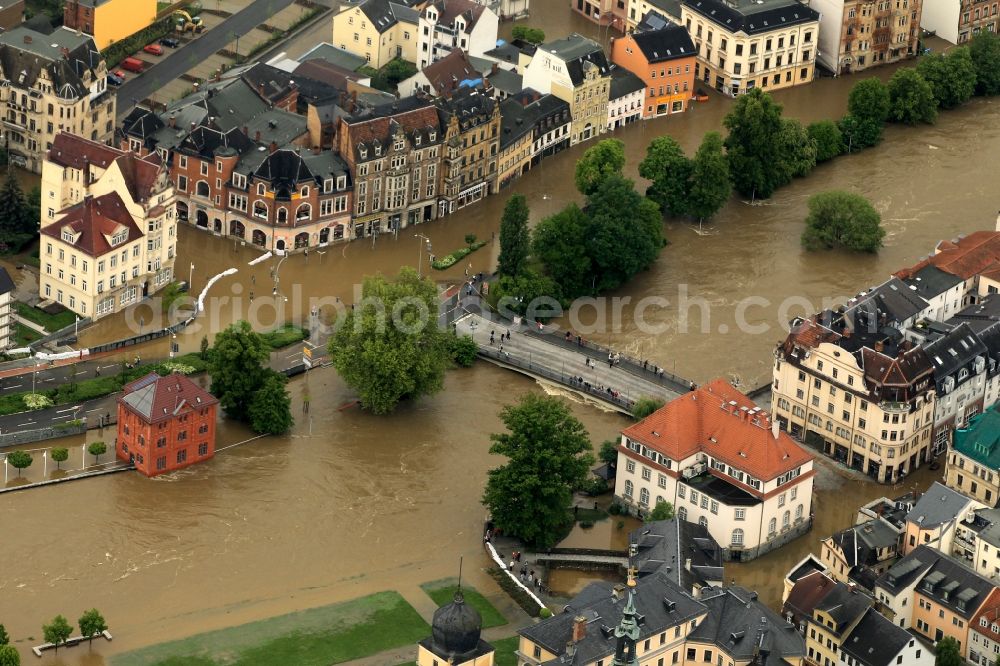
335	56
931	281
658	599
665	546
6	284
624	82
892	298
940	577
671	8
754	17
938	505
740	624
954	350
845	604
860	543
506	81
979	316
384	13
876	641
667	43
577	50
64	54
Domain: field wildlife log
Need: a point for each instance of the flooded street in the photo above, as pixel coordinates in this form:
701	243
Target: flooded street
349	504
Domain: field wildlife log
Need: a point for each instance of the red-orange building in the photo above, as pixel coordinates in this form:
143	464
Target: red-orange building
664	58
165	423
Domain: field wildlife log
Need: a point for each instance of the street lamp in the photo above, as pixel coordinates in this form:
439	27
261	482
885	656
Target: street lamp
190	275
420	252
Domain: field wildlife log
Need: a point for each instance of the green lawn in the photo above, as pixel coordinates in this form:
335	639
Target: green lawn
443	591
24	335
317	637
505	649
52	323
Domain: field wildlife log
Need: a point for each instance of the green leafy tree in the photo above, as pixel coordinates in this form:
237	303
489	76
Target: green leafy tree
203	350
842	219
559	242
645	406
390	348
798	148
464	350
17	225
948	652
20	460
9	656
869	100
911	98
626	232
92	623
859	134
984	49
470	239
515	239
271	406
4	638
398	70
237	366
609	452
662	511
952	76
600	162
517	295
756	163
57	631
710	188
669	170
548	455
829	141
528	34
60	455
97	449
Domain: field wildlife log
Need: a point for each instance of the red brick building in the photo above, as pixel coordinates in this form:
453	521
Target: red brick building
165	423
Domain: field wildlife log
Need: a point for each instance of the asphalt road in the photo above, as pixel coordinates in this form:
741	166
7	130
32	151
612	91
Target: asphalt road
184	59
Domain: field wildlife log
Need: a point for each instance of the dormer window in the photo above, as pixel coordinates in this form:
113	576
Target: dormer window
341	182
432	136
68	236
995	628
260	189
416	140
983	622
120	237
378	149
398	145
328	185
363	151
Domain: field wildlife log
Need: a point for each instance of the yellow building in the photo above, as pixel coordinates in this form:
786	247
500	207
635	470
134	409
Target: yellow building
377	30
109	21
746	44
109	230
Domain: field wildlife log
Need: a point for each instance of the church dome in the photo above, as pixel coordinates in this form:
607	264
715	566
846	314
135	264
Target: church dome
456	627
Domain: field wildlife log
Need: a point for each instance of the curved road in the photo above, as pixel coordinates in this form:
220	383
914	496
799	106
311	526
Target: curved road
187	57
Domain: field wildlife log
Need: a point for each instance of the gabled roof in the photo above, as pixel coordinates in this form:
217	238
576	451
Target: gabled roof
940	504
806	593
949	582
74	152
965	256
990	611
449	10
845	604
93	220
335	56
860	543
930	281
384	13
140	175
753	17
953	350
624	82
893	298
452	72
65	54
876	641
579	53
412	115
157	398
667	43
741	625
684	551
719	420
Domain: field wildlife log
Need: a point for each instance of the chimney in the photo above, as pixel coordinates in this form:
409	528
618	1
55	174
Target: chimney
579	628
273	147
687	564
256	136
775	428
27	39
173	122
879	346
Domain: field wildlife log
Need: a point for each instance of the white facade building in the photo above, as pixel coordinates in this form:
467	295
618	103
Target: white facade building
446	25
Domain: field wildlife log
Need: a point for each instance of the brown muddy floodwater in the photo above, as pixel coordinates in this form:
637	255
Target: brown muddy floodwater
352	503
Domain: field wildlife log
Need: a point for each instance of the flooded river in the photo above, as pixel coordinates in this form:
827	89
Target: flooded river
349	504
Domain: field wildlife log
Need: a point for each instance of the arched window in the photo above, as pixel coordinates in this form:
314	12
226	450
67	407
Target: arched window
282	215
303	212
628	488
682	513
260	189
737	537
703	521
643	496
798	512
786	518
772	526
659	498
305	190
260	209
201	189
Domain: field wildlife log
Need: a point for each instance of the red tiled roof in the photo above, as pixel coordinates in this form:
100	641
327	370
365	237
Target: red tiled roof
966	257
810	334
807	592
445	74
991	611
158	398
705	420
140	175
366	131
906	368
70	150
94	219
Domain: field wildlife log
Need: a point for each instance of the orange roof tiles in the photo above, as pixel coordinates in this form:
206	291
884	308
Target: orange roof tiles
94	219
705	420
966	257
991	611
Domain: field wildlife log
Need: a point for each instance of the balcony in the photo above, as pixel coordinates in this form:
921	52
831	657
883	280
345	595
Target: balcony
894	407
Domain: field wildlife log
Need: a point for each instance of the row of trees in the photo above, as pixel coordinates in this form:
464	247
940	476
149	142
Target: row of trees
21	460
57	632
580	251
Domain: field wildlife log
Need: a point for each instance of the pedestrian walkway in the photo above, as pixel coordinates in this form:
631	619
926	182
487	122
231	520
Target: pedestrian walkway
578	368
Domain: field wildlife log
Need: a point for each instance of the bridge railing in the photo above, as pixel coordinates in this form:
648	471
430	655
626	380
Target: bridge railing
560	377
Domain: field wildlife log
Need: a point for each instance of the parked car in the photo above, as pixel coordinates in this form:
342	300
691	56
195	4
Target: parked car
120	73
170	42
153	49
115	80
133	65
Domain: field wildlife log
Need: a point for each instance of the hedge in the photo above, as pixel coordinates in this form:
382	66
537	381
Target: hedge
449	260
122	49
